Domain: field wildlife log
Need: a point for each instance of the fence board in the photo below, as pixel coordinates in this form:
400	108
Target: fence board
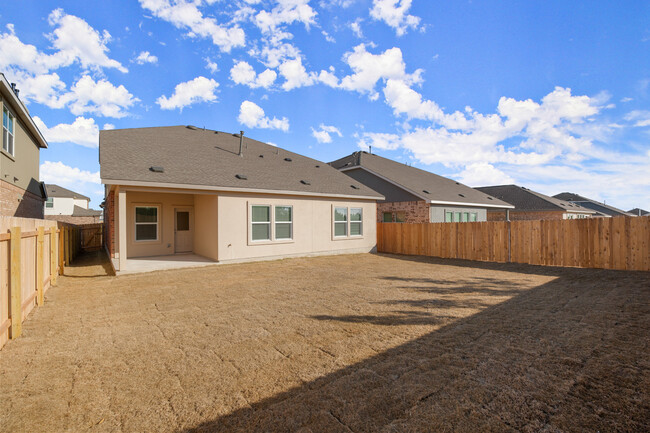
608	243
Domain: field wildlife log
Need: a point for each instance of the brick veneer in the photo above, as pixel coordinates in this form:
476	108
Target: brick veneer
17	202
500	215
109	223
414	211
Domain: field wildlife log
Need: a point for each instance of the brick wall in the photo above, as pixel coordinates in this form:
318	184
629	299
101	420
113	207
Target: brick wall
414	211
500	215
74	219
109	223
17	202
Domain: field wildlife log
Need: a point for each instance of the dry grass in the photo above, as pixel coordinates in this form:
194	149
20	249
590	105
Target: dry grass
346	343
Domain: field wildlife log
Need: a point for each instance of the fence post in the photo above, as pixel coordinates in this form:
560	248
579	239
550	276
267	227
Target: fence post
53	260
66	247
15	287
61	255
39	265
509	242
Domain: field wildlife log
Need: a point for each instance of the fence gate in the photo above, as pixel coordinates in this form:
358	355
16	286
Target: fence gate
91	237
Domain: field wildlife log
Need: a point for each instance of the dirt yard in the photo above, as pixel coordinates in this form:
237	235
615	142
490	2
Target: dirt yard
360	343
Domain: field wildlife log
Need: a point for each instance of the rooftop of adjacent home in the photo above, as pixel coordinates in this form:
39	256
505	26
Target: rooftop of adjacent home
526	199
197	158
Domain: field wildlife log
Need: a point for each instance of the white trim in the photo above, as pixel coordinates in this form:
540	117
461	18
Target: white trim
25	114
430	201
231	189
135	222
347	222
272	239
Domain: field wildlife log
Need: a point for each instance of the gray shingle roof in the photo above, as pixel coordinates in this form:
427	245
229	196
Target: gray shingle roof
192	156
597	206
58	191
78	211
526	199
639	212
422	183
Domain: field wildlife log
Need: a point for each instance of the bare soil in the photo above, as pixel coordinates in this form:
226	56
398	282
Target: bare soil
356	343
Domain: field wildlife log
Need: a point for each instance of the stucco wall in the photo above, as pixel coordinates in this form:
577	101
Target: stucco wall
438	212
205	226
312	227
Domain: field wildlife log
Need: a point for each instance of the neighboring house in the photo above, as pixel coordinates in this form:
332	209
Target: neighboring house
68	206
182	189
639	212
21	193
531	205
416	196
602	209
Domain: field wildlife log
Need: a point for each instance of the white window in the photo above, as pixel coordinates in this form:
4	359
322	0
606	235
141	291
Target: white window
473	217
146	223
271	223
49	202
7	131
449	216
348	222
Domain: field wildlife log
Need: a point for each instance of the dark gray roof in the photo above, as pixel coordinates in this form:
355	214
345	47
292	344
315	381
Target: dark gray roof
78	211
526	199
639	212
58	191
419	182
193	156
599	207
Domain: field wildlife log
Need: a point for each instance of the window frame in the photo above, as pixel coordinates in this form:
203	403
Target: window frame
49	201
347	222
272	225
136	223
10	114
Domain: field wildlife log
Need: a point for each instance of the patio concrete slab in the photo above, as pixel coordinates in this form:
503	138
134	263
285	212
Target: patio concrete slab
160	263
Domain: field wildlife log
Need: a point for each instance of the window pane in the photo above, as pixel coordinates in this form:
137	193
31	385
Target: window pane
146	214
11	144
388	217
465	217
472	217
49	202
261	214
283	230
400	217
355	214
340	229
5	116
182	221
355	229
261	232
341	214
456	217
10	124
449	217
146	232
283	213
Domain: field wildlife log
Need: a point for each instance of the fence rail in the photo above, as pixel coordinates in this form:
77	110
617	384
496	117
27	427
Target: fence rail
32	253
607	243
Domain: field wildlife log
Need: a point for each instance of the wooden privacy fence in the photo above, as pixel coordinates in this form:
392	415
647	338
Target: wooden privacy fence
32	253
91	236
608	243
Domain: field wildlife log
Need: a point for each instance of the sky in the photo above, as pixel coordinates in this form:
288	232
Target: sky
550	95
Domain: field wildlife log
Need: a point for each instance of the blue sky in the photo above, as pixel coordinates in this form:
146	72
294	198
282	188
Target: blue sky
551	95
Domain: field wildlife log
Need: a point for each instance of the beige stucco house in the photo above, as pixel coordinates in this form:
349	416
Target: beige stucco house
21	193
181	190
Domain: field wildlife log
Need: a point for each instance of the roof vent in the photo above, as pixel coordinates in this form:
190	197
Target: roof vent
318	166
354	186
425	191
461	195
489	198
304	182
157	169
261	156
287	159
192	127
457	183
241	176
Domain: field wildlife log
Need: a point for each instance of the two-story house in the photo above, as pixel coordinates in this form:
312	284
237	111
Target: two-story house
21	193
68	206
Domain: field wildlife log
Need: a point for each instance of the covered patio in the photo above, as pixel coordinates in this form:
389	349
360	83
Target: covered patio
137	265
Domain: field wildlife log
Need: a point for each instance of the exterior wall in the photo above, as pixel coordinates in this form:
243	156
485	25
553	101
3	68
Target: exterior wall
438	212
16	202
167	202
392	192
312	227
414	211
65	205
21	169
83	203
109	222
74	220
500	215
205	226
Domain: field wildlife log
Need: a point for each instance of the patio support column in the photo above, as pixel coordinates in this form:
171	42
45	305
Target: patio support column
121	228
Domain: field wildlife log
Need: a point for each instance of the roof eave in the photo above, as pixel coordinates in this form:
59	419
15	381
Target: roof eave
24	114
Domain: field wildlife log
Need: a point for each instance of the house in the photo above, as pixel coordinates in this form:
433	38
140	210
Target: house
416	196
639	212
68	206
532	205
21	193
602	209
225	197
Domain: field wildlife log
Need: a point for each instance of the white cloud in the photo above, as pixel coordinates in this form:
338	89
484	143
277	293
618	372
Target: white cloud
146	57
379	140
273	54
286	12
243	73
295	74
641	118
252	115
200	89
322	135
483	174
395	14
212	66
82	131
66	176
369	68
329	38
186	15
355	26
99	97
